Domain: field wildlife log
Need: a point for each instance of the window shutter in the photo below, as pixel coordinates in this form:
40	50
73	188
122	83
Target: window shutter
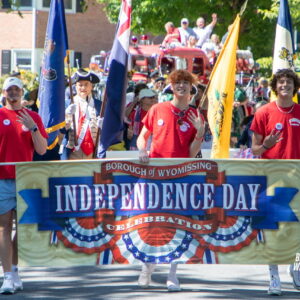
6	4
6	62
79	6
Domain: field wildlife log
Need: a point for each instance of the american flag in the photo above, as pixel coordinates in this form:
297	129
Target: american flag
116	83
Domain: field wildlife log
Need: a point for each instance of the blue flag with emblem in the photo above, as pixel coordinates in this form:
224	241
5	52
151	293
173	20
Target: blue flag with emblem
284	49
116	83
52	78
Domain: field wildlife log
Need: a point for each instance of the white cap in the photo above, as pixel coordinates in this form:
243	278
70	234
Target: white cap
129	97
146	93
11	81
184	20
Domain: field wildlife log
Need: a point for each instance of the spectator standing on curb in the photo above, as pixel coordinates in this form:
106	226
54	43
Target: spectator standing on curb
263	91
21	132
130	105
276	134
245	140
153	76
146	99
177	131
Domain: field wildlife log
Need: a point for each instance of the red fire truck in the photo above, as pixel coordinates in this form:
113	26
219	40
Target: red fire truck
145	58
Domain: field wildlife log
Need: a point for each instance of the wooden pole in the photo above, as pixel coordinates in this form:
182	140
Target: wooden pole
204	96
101	114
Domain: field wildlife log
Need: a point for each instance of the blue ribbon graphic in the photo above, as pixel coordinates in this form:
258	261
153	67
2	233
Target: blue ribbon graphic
50	216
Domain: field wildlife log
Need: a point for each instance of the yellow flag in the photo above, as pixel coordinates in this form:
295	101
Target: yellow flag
220	94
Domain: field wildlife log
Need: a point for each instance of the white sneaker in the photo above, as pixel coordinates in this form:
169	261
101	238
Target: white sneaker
275	286
295	274
145	276
18	285
7	286
173	284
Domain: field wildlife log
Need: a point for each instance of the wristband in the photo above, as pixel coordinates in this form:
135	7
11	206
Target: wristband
199	139
34	128
265	147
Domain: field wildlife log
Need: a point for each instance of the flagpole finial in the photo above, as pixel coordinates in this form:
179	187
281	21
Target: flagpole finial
243	8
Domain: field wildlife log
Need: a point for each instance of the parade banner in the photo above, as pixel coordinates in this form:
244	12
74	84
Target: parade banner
169	211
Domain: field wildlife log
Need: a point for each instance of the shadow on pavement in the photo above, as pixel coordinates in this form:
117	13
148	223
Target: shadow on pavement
120	282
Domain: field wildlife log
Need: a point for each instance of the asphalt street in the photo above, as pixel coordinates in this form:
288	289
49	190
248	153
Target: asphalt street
120	282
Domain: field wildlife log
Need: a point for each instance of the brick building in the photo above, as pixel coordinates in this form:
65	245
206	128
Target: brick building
22	38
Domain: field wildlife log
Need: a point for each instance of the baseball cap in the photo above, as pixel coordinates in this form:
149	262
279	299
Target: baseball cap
146	93
263	80
184	20
160	79
11	81
240	95
129	97
154	74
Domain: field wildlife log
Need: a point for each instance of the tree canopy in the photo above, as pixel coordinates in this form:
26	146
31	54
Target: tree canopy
258	22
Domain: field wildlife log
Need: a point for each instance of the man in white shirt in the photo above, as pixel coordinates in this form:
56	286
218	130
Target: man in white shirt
203	32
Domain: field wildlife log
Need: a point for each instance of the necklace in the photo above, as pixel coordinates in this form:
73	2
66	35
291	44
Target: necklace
283	111
180	115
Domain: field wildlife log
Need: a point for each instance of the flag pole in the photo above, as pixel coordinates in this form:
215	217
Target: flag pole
204	96
71	96
101	114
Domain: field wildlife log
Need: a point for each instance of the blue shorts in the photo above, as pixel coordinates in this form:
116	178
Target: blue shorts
8	199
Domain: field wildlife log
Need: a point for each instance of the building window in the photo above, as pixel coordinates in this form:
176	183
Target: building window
21	4
21	59
70	5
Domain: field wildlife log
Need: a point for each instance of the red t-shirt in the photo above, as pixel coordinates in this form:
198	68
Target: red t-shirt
268	118
15	140
170	39
169	139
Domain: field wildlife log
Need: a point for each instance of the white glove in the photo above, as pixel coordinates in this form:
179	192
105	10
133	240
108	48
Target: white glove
100	122
71	109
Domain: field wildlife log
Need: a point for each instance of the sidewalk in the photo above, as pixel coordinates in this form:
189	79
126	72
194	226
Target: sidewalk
120	282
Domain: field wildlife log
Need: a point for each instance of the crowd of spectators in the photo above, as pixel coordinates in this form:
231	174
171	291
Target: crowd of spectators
198	37
154	108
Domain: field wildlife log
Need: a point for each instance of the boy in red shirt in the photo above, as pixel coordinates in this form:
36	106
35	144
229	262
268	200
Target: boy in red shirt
276	131
21	132
177	131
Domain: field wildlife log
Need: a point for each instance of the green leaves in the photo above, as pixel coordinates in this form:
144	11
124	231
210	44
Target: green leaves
258	22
